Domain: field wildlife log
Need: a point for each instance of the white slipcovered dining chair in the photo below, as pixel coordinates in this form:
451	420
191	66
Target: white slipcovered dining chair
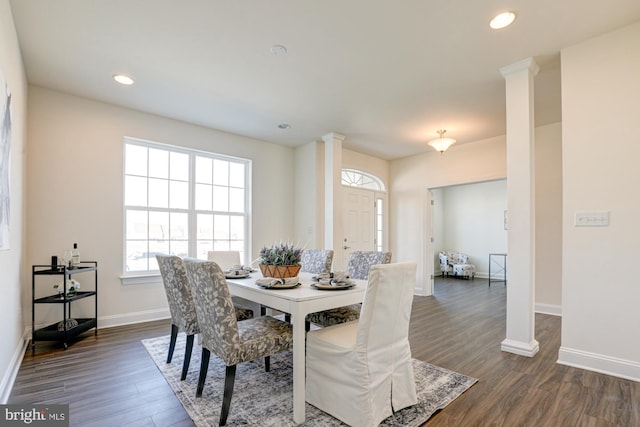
182	308
361	371
232	341
358	268
225	259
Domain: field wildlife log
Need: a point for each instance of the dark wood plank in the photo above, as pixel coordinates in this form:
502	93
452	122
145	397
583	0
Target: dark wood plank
110	380
461	327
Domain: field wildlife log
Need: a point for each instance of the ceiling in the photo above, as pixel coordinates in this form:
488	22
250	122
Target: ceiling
386	74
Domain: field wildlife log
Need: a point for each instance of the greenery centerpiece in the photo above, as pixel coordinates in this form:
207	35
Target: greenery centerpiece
280	260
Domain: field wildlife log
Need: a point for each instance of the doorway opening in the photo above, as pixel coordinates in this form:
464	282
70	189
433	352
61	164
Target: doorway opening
467	218
365	216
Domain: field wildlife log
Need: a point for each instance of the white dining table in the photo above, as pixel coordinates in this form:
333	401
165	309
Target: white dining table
298	302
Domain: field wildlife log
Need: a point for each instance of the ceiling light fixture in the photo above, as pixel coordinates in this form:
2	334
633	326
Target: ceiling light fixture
278	50
502	20
441	144
284	126
123	79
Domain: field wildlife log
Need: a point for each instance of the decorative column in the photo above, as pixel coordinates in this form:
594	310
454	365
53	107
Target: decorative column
333	227
520	337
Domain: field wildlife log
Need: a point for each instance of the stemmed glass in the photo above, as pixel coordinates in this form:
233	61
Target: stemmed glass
66	258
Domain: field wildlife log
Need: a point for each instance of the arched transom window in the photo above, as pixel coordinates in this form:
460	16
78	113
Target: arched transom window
355	178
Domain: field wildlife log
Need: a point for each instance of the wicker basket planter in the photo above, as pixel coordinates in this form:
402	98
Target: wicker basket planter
280	271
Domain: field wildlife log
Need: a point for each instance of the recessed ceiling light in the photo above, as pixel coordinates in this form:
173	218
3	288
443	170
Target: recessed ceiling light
278	49
502	20
123	79
284	126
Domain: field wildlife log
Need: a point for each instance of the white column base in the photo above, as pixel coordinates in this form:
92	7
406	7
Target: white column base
520	348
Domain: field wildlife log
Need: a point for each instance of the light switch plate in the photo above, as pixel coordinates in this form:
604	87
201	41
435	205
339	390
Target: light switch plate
591	219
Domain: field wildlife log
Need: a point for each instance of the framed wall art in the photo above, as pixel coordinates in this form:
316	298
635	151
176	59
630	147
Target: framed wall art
5	161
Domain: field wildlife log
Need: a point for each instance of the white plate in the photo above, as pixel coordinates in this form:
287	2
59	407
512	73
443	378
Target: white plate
295	285
236	276
322	287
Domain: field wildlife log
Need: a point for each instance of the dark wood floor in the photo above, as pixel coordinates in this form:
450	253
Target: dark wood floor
110	380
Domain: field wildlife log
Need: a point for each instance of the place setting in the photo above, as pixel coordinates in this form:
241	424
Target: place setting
278	283
238	272
335	281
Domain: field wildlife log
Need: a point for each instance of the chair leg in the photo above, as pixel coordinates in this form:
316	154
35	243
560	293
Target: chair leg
307	326
204	367
187	357
229	379
287	317
267	363
263	310
172	342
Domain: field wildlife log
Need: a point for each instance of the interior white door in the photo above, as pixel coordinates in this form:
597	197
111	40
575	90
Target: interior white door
359	221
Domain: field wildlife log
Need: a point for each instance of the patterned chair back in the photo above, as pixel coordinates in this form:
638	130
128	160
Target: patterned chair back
316	261
217	315
361	261
458	258
179	296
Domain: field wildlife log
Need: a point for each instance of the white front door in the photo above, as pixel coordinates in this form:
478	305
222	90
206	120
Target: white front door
359	222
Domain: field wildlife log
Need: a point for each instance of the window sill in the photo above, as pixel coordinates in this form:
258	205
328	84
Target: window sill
140	279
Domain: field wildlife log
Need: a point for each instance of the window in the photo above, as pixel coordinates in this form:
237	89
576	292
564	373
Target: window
354	178
183	202
379	224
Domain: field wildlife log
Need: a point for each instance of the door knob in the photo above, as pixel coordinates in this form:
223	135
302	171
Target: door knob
346	247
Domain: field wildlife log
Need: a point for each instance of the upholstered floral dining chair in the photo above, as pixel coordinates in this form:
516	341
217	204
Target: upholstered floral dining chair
182	308
316	261
232	341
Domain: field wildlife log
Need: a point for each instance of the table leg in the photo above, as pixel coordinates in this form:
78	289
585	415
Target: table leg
299	349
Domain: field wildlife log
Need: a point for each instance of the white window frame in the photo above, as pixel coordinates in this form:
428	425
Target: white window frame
149	276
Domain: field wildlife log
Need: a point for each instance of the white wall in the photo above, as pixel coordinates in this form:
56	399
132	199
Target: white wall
75	189
473	222
410	178
472	163
548	252
15	284
373	165
309	195
601	148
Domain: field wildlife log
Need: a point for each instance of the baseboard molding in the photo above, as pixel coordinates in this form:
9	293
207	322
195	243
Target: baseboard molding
14	366
599	363
131	318
551	309
520	348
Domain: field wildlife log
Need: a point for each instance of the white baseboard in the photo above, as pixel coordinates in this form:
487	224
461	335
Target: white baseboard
521	348
131	318
552	309
599	363
14	366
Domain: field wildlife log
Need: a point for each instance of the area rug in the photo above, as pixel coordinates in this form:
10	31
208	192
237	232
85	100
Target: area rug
265	398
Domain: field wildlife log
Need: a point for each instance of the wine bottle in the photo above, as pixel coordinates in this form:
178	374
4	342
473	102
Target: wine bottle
75	256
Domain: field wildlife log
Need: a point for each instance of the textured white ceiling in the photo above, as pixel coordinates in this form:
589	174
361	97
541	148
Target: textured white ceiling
386	74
